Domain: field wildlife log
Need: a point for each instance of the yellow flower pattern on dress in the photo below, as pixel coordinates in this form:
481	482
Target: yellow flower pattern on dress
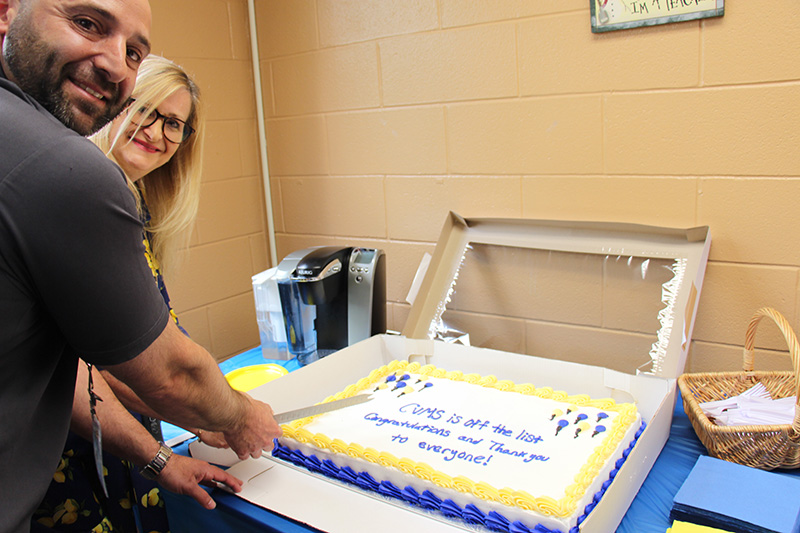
155	268
46	521
125	502
103	527
66	513
62	464
63	472
152	262
152	499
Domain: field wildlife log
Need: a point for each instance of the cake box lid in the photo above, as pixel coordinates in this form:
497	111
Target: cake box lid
617	295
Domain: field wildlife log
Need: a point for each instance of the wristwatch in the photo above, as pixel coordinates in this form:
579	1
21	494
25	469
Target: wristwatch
153	468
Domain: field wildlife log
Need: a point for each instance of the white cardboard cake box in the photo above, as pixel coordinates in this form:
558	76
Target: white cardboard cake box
329	506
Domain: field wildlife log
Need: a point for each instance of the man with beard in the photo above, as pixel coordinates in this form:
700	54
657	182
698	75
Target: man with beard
73	278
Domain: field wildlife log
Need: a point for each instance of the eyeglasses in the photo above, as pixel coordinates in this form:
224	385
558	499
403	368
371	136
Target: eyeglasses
175	130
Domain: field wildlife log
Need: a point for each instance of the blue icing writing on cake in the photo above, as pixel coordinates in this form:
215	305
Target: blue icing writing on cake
509	457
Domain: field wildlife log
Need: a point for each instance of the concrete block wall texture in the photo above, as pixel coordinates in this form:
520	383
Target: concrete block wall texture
212	293
383	116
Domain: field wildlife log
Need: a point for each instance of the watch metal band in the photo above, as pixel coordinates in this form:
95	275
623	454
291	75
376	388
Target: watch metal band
154	467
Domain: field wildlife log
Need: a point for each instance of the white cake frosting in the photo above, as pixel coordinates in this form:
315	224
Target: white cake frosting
534	456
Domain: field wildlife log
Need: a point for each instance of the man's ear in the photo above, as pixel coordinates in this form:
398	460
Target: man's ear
8	9
5	16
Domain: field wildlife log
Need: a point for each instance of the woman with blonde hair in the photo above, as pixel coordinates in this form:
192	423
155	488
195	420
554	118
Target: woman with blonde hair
163	164
157	141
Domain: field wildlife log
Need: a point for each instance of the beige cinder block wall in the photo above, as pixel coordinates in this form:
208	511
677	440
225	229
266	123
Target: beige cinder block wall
383	116
212	293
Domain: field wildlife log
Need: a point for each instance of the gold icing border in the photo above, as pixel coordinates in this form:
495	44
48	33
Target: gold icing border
544	505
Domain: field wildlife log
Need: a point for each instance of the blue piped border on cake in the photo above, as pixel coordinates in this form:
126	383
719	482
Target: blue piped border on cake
427	500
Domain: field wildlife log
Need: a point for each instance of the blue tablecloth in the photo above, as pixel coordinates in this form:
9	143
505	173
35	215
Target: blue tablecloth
648	513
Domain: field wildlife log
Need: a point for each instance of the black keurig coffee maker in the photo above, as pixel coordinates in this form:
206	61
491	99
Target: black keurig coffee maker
331	297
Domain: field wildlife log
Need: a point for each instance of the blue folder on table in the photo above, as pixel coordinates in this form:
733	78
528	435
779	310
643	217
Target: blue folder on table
738	498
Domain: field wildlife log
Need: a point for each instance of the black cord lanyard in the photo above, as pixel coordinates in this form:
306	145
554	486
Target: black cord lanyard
97	434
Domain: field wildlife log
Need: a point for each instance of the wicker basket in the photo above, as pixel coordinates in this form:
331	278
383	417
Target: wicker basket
765	446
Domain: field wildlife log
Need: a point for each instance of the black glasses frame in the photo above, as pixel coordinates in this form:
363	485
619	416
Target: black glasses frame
155	115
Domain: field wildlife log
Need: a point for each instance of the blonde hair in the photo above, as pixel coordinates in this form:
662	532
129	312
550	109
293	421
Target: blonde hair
172	191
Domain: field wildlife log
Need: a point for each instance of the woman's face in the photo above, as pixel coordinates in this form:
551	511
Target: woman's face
141	152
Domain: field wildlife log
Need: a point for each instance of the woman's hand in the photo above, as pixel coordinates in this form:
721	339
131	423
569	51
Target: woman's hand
214	439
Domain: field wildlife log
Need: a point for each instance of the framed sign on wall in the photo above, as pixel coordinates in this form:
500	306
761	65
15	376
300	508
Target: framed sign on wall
609	15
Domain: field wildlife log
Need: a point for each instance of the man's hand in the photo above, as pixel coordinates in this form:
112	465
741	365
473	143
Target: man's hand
253	432
184	475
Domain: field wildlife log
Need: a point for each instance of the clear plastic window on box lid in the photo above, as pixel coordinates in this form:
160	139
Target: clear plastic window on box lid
620	296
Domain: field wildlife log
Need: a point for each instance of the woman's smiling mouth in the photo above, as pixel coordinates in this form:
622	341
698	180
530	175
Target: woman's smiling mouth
147	147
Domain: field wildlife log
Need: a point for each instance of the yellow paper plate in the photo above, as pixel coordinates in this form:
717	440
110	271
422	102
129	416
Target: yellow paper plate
250	377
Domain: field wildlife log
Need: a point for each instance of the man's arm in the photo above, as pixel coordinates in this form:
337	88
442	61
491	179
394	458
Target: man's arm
125	437
131	400
127	397
178	378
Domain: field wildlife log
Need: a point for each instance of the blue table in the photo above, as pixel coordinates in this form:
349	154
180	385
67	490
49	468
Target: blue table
648	513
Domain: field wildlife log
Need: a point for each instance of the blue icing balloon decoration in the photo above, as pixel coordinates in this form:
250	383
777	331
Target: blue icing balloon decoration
598	429
400	385
428	384
580	417
391	378
561	425
601	416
